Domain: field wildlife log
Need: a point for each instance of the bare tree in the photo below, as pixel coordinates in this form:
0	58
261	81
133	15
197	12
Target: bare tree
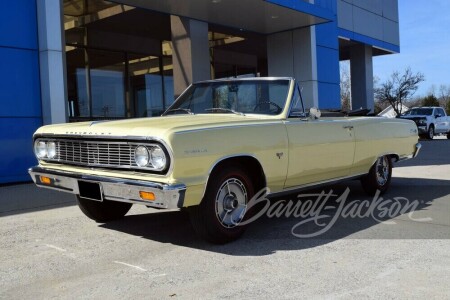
444	97
444	94
346	88
399	88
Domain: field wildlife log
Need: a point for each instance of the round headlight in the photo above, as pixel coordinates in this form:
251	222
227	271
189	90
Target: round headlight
141	156
40	149
158	158
51	150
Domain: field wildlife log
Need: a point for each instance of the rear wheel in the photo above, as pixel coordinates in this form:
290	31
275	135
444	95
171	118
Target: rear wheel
103	211
223	207
430	134
379	176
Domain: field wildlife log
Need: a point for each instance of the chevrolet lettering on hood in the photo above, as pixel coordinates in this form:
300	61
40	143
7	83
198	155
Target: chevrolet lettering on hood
221	143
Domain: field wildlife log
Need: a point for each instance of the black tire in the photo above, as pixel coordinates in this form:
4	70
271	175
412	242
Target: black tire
448	135
103	211
205	218
430	134
379	176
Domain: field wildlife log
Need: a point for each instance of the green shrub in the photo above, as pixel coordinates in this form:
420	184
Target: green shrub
430	100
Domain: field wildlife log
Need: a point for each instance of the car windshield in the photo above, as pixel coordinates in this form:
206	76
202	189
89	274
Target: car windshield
420	112
266	97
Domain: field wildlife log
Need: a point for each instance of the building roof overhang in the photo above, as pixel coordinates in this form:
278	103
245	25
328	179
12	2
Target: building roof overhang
260	16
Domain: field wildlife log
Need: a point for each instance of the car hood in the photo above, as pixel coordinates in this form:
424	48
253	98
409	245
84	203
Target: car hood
159	127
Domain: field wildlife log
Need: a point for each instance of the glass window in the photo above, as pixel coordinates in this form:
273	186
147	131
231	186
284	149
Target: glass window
296	104
77	83
245	96
146	85
107	74
169	94
421	112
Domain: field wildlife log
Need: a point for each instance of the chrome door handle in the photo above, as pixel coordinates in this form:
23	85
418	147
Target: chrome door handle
348	127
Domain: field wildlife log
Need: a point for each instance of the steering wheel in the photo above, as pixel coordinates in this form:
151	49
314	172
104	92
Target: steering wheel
278	108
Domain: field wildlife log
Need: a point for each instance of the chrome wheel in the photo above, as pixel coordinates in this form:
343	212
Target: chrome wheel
231	202
382	170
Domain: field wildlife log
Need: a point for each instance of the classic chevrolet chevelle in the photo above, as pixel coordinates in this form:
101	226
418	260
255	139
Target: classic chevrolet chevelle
220	143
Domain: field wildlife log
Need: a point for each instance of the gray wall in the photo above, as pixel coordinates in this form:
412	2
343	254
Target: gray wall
377	19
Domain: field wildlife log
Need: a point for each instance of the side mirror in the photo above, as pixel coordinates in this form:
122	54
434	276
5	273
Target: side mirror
314	113
438	116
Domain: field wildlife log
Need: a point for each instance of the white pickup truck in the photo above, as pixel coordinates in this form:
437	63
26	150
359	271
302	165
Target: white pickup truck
430	121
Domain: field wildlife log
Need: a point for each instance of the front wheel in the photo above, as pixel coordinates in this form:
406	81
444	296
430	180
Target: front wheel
103	211
379	176
430	134
223	207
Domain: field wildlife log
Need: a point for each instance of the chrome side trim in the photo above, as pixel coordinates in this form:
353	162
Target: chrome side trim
231	127
314	185
114	189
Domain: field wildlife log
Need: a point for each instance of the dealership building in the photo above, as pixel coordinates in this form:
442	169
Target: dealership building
77	60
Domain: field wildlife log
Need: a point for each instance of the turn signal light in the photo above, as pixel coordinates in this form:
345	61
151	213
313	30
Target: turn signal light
147	196
45	180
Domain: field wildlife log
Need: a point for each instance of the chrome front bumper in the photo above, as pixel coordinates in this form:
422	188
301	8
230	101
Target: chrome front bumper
115	189
422	128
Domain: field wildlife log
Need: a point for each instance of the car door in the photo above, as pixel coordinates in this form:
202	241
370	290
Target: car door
319	150
440	121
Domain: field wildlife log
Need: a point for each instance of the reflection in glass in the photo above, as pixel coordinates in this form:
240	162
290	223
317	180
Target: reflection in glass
146	85
107	83
77	83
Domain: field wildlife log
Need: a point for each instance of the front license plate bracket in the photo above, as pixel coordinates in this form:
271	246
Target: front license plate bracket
90	190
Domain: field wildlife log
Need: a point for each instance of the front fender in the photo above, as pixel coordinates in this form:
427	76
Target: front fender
196	152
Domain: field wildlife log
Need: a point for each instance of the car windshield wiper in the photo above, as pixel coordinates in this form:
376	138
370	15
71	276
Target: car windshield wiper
174	110
223	109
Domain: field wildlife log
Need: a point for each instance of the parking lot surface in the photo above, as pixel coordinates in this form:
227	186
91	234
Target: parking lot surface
49	249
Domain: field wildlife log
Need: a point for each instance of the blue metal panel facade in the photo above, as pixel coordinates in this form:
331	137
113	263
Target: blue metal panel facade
317	9
20	101
328	73
368	40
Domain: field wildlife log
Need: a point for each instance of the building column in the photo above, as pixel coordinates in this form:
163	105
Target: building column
52	61
293	54
361	71
190	56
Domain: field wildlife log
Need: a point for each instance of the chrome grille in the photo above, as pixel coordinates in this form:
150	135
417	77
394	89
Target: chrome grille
93	153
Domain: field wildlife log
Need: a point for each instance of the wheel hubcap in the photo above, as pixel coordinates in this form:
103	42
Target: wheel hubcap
382	168
231	202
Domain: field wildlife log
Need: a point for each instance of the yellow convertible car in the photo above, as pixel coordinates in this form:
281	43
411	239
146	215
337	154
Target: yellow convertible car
220	143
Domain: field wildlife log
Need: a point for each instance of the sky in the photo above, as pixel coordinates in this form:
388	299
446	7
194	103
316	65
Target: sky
424	44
